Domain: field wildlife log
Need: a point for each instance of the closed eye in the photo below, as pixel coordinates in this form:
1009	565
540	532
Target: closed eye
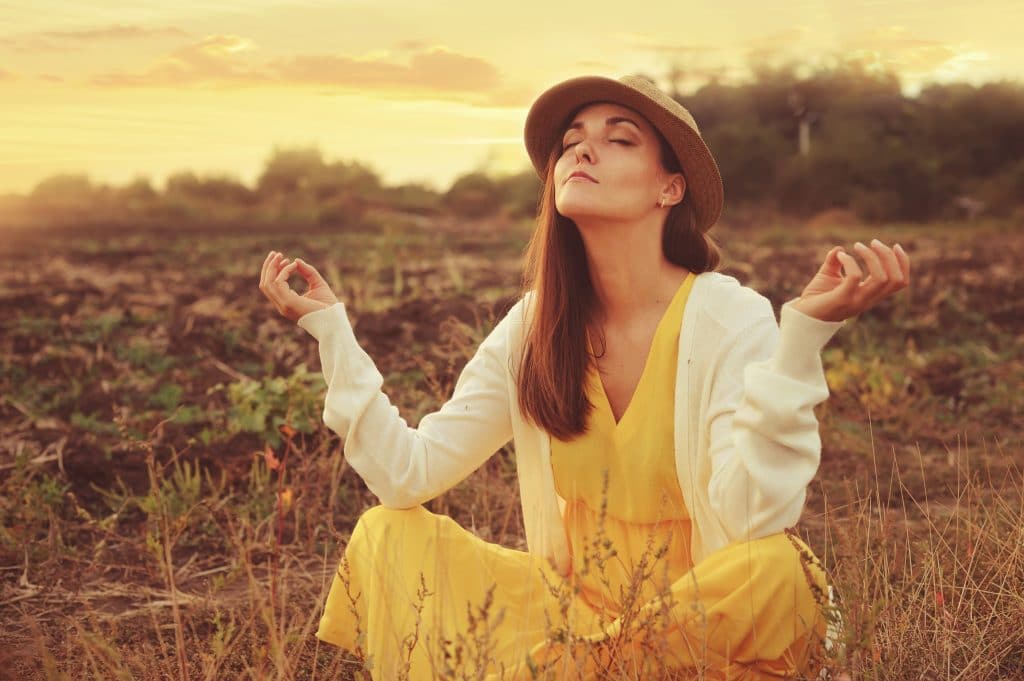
625	142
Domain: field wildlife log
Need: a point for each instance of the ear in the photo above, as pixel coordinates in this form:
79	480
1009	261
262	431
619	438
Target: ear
675	189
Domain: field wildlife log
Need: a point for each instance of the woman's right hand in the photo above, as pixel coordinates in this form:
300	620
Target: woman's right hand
274	284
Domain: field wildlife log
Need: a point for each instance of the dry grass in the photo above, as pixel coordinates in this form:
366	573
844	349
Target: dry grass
939	601
146	547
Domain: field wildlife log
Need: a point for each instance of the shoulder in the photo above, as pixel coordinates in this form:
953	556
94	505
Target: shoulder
721	299
522	310
509	329
724	302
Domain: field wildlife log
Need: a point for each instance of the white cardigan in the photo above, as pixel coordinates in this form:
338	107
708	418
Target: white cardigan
746	442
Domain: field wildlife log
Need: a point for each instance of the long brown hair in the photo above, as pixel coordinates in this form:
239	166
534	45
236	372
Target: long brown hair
555	357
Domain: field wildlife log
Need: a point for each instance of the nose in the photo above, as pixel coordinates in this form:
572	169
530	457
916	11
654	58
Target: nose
582	148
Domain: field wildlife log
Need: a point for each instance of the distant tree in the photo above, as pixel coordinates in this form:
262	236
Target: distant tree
473	195
62	186
139	191
748	157
289	170
62	193
303	171
341	178
973	131
214	188
519	192
862	144
414	197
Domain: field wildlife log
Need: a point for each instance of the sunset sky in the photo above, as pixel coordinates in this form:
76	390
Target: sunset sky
418	91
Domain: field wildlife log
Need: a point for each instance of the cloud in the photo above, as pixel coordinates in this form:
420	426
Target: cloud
410	45
787	44
116	32
214	58
595	64
436	69
786	38
895	48
691	64
659	45
422	71
73	41
692	51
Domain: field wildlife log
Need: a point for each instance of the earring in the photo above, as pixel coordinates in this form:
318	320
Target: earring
661	202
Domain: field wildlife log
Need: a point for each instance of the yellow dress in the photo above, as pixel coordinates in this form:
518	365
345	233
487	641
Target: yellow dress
424	597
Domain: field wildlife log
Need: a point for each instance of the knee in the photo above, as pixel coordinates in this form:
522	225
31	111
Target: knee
377	518
804	556
379	515
805	567
782	557
382	526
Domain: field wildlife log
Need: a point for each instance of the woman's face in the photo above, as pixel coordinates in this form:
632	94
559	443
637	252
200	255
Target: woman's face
620	150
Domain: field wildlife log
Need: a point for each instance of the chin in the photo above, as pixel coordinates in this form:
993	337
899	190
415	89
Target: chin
576	207
575	211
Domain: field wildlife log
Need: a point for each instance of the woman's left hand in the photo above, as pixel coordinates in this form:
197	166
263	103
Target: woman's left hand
831	297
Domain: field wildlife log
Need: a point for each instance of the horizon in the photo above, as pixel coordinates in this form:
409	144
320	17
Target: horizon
121	92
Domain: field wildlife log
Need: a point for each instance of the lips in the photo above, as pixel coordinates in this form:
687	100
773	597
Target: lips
580	173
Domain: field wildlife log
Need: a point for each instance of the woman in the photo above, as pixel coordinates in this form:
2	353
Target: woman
662	419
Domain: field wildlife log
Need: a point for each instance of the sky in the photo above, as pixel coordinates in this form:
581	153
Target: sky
420	92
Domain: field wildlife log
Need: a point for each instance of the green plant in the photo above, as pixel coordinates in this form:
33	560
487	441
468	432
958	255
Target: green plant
146	356
167	396
100	328
263	406
30	505
90	423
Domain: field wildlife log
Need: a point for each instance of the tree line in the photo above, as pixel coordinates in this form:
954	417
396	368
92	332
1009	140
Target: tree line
841	137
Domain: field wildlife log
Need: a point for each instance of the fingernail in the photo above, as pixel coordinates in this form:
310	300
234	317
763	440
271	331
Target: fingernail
875	241
859	244
899	247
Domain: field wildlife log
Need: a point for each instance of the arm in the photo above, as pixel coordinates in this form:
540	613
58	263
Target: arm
765	446
406	466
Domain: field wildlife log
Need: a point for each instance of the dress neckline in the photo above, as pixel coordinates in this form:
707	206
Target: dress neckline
605	404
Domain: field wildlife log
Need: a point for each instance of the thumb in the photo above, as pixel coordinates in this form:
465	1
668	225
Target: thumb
832	265
849	283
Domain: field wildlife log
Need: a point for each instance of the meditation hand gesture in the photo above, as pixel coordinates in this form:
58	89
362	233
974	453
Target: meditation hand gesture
831	297
274	284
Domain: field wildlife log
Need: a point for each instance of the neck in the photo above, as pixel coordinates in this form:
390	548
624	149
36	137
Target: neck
631	277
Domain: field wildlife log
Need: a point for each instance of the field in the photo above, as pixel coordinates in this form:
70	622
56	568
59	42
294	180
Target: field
173	507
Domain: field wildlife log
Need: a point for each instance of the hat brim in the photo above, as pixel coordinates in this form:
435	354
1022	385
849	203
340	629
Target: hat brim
551	109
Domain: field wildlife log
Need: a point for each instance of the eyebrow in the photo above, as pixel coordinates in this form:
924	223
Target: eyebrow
612	120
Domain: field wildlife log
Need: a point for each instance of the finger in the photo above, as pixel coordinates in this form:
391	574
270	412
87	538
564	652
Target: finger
311	274
285	294
889	263
281	262
832	265
265	268
282	276
853	277
877	276
904	261
272	267
275	292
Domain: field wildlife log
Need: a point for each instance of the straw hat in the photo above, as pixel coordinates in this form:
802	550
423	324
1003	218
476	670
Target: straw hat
548	118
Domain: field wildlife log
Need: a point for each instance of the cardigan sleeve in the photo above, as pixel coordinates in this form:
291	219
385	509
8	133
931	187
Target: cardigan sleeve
401	465
765	447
